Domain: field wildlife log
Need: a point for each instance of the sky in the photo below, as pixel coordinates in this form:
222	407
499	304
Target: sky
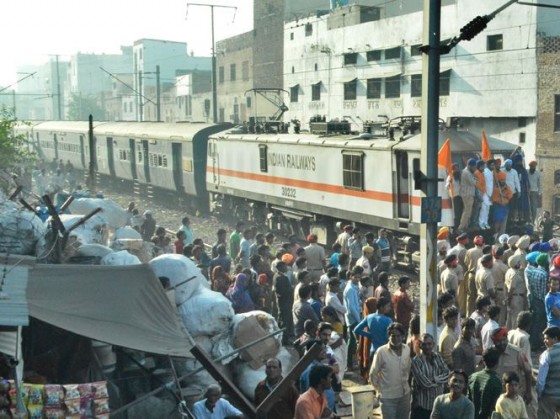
32	31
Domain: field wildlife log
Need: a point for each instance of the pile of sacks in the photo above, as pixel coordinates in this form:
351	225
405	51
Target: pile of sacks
209	318
21	231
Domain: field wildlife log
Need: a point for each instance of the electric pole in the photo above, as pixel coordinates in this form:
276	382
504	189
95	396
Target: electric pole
158	95
214	85
58	89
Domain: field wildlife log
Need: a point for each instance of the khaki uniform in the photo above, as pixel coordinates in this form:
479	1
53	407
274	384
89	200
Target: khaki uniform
471	260
499	270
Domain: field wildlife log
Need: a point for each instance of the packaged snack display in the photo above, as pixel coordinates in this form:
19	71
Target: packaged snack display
35	394
100	389
54	395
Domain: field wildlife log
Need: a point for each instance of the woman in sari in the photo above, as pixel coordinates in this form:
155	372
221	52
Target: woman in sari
239	296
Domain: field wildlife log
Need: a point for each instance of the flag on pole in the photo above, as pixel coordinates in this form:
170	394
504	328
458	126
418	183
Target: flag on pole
445	162
486	152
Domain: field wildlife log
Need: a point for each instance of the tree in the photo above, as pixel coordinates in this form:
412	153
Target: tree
81	106
14	149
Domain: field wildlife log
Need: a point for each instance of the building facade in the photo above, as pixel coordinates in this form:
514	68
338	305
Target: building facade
363	63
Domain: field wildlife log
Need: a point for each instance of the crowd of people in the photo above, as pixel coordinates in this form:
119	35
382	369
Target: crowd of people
498	310
491	193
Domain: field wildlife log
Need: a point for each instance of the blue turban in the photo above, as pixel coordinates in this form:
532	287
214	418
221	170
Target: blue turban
508	161
471	162
545	247
535	247
532	257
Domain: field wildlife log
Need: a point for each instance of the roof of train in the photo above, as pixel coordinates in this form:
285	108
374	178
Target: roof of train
461	141
152	129
63	126
347	141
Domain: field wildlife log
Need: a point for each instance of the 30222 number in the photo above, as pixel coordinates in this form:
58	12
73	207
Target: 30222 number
288	192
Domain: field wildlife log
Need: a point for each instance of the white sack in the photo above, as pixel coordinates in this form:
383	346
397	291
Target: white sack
179	268
126	232
92	231
21	231
114	215
94	250
206	313
120	258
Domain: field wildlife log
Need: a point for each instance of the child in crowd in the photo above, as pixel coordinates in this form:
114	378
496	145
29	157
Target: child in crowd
510	405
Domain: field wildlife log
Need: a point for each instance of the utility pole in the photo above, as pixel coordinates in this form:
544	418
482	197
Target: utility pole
431	203
214	85
140	103
58	89
158	95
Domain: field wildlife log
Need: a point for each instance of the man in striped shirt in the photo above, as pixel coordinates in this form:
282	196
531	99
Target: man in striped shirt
535	278
429	375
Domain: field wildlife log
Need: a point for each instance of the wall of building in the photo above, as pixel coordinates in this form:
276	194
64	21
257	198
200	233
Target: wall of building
235	72
548	134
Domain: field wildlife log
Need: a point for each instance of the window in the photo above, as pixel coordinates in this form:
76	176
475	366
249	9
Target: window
393	86
494	42
521	122
350	58
416	85
232	75
521	138
293	69
393	53
245	70
353	170
373	88
316	91
444	83
263	157
221	74
316	67
249	101
557	177
308	29
350	89
556	113
415	50
294	92
291	36
373	55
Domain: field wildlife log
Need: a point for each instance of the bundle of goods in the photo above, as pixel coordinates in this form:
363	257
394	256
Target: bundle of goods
112	213
68	401
126	238
21	231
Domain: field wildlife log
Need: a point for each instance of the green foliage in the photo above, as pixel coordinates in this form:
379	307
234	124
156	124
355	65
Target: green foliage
14	149
81	106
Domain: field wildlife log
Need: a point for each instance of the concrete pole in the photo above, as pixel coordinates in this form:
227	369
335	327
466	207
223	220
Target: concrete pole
140	97
428	165
59	100
214	85
158	95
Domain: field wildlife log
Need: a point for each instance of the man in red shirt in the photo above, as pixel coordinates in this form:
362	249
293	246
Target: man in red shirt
402	304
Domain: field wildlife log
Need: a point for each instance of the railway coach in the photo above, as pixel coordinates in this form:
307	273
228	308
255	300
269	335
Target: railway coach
167	159
308	183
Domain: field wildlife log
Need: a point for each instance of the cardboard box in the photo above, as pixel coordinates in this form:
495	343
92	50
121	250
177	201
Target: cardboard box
249	330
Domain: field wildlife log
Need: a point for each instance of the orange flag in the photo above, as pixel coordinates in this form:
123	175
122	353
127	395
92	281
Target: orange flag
486	152
444	159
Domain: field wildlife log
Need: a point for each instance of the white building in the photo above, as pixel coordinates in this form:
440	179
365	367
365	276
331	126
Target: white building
171	57
360	62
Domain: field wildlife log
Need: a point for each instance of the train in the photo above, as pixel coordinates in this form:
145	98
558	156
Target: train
295	182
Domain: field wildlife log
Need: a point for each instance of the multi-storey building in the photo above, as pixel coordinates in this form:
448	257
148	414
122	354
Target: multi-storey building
171	58
361	62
